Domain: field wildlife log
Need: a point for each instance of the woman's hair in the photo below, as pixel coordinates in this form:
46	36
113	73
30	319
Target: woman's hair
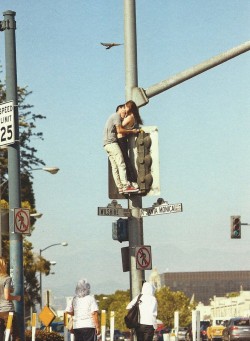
132	108
3	268
82	288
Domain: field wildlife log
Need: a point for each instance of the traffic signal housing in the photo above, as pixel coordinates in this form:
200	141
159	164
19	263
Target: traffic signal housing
147	161
120	230
235	227
144	161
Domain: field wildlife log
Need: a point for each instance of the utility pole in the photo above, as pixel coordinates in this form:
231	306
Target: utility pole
16	240
135	223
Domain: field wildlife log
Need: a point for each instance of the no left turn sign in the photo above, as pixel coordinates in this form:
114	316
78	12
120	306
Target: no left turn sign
22	220
143	257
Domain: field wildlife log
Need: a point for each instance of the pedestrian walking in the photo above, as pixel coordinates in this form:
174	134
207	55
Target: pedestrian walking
84	310
6	302
148	313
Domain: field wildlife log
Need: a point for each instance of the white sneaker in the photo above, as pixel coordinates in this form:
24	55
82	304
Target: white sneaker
130	189
135	185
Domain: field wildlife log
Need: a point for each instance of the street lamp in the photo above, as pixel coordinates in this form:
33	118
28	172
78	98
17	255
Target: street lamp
52	263
51	170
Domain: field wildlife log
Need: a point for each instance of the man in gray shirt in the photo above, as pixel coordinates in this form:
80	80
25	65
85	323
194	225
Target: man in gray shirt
112	127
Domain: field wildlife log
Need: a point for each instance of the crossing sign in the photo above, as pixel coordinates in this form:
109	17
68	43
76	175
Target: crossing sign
143	257
22	220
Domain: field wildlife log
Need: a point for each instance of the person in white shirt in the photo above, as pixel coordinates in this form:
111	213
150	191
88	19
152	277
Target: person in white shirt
84	309
148	313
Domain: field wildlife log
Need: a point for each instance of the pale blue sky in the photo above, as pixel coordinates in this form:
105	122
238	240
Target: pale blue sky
204	127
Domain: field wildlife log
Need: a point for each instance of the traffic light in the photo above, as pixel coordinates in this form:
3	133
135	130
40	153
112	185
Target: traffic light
120	230
144	161
146	154
235	227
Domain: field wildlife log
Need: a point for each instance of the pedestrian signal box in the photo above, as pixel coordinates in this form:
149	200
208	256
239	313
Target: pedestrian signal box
235	227
120	230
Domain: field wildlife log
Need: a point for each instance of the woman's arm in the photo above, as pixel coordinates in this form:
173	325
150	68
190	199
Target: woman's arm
96	322
121	130
9	297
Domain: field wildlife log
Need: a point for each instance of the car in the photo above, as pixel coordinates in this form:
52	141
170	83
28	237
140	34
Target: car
203	331
182	333
127	335
215	330
118	335
57	327
159	334
237	328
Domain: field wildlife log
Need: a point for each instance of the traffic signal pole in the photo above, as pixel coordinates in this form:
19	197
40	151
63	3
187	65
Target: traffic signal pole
16	242
135	223
141	97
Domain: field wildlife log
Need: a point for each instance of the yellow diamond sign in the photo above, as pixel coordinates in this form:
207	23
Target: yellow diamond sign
47	315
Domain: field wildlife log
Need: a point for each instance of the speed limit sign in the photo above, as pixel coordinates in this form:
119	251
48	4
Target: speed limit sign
7	128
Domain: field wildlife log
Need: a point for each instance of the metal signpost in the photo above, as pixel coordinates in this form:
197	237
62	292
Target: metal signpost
11	131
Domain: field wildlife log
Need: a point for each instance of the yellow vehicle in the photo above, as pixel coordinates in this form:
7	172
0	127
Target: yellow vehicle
215	330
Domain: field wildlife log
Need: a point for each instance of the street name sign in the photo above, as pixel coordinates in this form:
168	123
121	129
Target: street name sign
7	127
164	208
114	210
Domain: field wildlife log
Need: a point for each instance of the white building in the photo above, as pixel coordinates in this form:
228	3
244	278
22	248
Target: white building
226	307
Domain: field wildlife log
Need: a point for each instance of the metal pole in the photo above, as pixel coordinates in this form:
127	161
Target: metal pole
40	253
135	223
16	239
41	291
142	95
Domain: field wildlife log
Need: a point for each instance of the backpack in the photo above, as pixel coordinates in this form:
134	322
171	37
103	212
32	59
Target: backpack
132	318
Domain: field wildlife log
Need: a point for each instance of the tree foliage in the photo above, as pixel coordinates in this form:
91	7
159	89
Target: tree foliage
168	302
171	301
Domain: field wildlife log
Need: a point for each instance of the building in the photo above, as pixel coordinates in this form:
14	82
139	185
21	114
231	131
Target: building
205	285
224	308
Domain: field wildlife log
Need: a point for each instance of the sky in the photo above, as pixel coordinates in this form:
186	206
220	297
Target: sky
203	125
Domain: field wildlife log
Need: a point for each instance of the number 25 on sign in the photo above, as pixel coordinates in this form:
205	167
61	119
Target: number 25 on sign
7	131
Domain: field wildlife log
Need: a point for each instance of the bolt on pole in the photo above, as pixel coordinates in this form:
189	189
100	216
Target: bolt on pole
16	239
135	223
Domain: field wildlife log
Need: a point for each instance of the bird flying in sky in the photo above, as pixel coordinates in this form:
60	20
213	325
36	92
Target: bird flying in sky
109	45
